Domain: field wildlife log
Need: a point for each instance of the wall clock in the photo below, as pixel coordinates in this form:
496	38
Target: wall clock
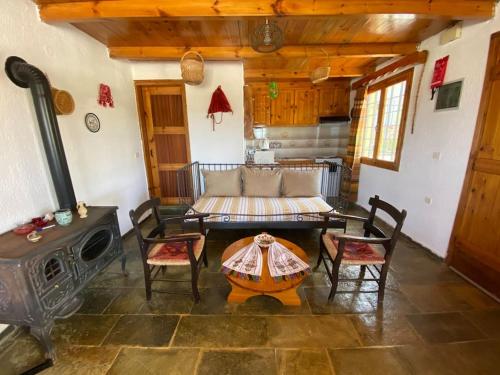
92	122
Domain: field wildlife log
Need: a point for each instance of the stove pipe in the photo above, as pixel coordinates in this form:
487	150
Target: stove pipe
28	76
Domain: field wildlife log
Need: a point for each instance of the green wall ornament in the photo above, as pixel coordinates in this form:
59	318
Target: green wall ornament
273	90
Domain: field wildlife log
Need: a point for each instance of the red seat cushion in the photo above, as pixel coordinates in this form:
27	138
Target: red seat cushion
358	253
174	253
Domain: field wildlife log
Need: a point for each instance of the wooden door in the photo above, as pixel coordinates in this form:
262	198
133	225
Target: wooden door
475	243
165	124
261	107
282	108
305	107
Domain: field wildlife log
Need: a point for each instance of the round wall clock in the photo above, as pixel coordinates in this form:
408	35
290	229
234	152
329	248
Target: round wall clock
92	122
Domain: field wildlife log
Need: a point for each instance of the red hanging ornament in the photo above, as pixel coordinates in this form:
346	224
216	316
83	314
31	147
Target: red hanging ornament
219	103
105	97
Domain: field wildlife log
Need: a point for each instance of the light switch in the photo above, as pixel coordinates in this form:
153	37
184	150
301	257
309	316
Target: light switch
436	155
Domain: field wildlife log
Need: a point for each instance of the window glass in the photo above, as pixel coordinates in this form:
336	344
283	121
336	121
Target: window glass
369	122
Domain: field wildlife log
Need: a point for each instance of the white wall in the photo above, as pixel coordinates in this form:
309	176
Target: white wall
103	166
448	132
227	143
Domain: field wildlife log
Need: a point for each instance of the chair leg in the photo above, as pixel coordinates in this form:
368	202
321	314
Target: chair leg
362	271
147	282
335	283
163	270
194	283
205	259
381	284
320	256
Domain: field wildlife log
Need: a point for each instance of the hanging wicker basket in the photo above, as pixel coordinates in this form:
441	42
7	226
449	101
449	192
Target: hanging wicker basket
321	73
192	68
63	101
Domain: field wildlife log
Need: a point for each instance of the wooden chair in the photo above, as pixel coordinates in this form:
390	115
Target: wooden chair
337	249
159	250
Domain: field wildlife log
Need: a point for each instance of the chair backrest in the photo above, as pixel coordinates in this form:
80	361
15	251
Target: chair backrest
136	215
398	216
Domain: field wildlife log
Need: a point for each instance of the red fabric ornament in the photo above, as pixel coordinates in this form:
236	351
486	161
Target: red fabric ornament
219	103
105	97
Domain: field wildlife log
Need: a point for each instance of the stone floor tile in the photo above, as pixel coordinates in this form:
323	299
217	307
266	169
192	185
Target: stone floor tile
218	331
343	303
444	327
240	362
128	301
143	330
95	301
424	359
107	280
134	361
440	297
21	355
384	329
82	360
480	357
372	361
311	332
212	280
213	301
303	362
166	303
488	321
83	329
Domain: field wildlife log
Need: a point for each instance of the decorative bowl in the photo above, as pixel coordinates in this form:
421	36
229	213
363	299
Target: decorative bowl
264	239
24	229
64	217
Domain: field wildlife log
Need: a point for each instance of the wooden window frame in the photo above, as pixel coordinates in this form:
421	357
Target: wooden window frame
407	76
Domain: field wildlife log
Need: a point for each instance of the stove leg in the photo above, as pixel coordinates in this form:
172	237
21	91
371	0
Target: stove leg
124	264
42	334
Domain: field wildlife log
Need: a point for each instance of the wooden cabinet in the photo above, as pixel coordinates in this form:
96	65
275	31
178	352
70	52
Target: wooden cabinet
334	100
282	108
299	103
306	107
261	107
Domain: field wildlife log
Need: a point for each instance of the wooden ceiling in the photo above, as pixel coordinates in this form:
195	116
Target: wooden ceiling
357	35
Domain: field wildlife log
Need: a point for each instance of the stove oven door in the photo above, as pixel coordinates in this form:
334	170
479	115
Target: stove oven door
98	247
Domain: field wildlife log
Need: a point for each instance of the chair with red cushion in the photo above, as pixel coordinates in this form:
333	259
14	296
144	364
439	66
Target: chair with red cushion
159	250
372	253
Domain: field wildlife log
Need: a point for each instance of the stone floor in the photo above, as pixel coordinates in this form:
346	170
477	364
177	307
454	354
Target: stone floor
431	322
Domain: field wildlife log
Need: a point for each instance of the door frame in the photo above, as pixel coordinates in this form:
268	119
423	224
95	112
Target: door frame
478	133
138	86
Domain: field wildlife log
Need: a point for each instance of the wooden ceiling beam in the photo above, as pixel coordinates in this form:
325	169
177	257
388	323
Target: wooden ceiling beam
265	74
413	59
364	50
83	11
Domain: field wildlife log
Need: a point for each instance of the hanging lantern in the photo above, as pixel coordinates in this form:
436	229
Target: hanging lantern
267	37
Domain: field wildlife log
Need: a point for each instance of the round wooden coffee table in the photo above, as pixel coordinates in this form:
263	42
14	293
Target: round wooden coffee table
285	291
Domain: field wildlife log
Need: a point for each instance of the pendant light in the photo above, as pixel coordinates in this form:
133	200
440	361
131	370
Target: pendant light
266	38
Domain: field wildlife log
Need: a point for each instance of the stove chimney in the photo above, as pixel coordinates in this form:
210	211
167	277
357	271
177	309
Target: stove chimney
28	76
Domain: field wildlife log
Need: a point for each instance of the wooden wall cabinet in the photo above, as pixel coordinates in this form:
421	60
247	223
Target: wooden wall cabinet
334	100
299	103
261	107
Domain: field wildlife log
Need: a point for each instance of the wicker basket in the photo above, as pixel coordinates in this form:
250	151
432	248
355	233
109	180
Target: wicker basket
321	74
192	68
63	101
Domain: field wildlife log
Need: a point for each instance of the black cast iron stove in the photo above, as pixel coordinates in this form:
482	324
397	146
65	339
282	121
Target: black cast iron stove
40	282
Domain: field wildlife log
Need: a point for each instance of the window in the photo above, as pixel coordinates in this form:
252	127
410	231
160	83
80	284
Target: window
383	121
